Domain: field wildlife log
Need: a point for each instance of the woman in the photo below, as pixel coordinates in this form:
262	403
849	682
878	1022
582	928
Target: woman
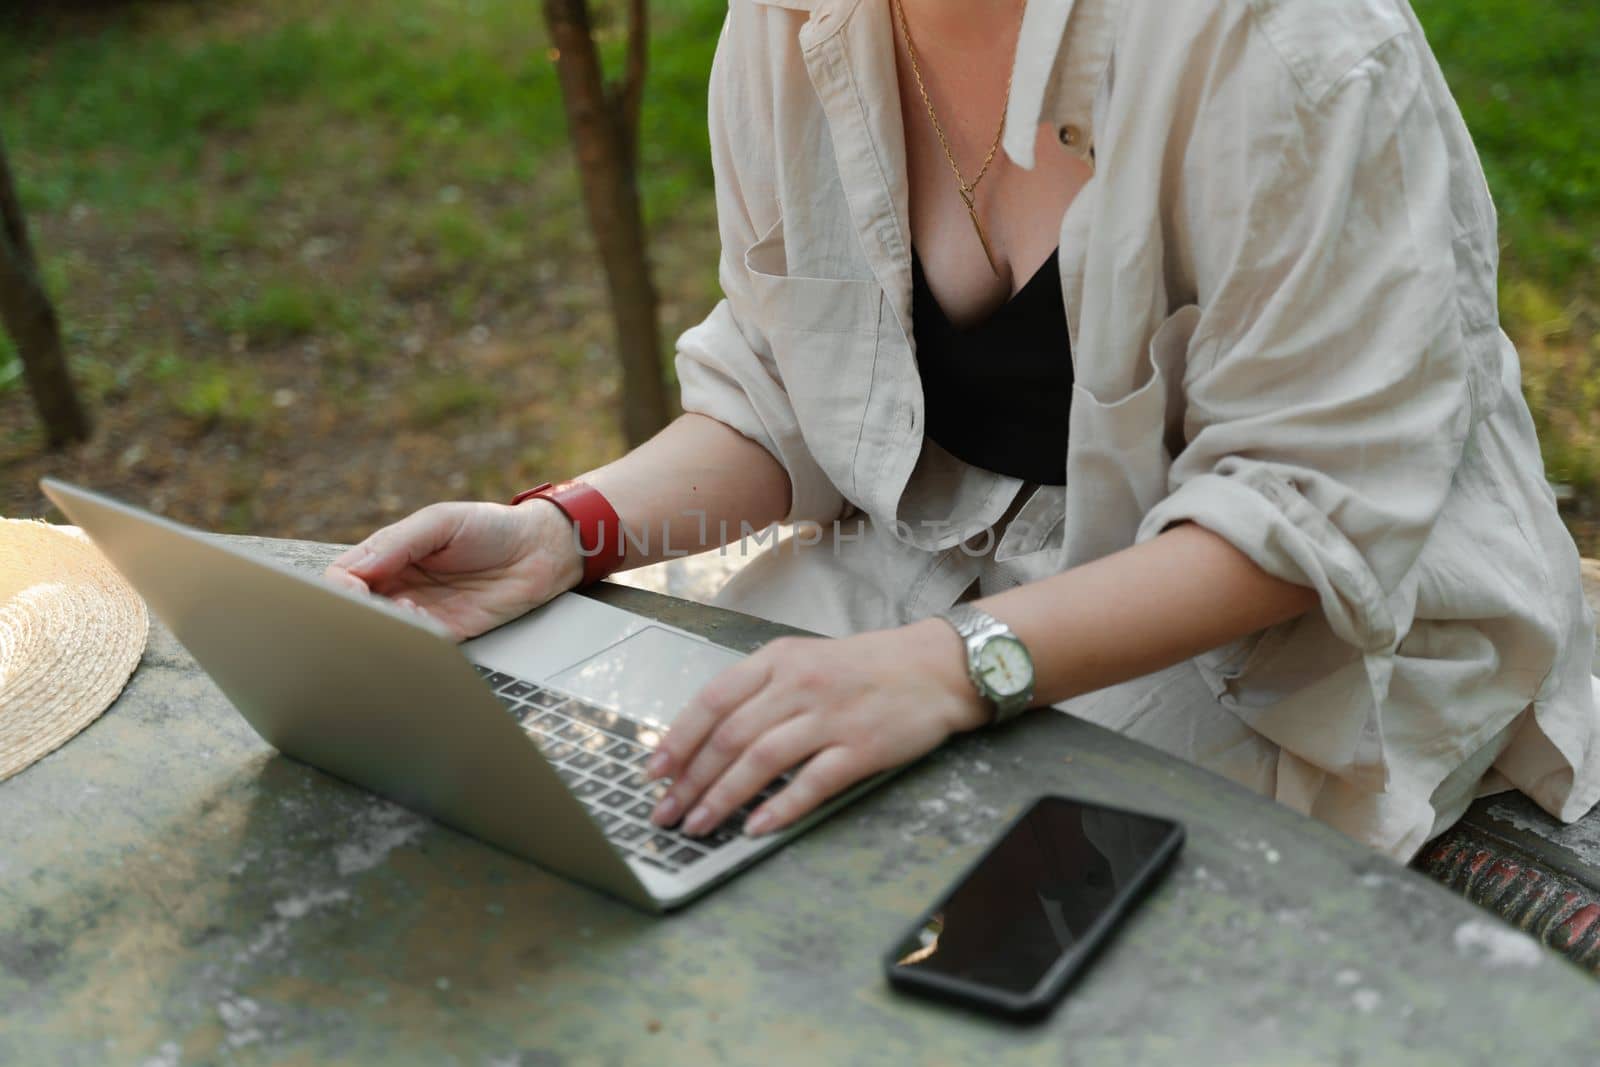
1244	464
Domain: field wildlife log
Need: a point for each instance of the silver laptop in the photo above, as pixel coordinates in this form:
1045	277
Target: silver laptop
532	737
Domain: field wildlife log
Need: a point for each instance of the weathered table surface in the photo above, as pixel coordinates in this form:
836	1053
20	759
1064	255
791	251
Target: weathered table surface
172	891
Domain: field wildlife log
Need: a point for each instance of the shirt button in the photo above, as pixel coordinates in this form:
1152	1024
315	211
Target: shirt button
1069	135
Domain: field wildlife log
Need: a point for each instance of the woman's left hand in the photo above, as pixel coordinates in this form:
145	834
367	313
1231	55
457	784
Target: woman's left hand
845	707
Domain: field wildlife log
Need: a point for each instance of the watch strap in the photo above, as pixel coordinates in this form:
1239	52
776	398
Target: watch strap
599	529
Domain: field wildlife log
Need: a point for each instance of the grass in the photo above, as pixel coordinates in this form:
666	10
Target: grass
215	392
283	311
436	400
1527	78
287	225
10	365
159	104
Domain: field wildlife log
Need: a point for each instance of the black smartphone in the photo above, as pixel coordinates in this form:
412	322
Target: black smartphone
1016	928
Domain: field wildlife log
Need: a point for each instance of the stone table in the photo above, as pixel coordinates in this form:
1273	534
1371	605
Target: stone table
174	892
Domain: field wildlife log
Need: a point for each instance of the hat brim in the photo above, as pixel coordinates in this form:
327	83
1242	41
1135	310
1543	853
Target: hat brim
71	633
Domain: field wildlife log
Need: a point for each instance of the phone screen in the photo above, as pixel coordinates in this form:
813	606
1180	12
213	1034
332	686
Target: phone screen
1036	895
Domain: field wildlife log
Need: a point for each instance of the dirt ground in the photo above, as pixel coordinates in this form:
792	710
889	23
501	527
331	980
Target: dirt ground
323	444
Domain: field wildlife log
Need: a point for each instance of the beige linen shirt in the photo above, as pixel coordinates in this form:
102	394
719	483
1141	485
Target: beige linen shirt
1280	293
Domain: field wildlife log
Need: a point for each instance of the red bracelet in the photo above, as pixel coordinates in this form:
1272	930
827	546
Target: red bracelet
600	540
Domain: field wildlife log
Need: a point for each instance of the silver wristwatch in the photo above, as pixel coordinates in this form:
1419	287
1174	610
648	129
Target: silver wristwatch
997	661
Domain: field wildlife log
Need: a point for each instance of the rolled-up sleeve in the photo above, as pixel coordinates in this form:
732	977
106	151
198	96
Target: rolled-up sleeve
1326	388
724	364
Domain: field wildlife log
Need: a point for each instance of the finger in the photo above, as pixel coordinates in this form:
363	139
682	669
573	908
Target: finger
439	625
720	696
825	775
463	613
349	555
337	575
770	755
390	550
729	741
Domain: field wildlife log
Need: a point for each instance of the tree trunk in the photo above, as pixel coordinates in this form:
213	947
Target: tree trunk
29	318
604	128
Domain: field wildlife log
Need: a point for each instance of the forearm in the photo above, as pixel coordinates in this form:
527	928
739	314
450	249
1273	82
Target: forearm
842	709
1138	610
692	487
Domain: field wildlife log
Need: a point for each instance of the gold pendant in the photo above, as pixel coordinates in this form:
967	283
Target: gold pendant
972	211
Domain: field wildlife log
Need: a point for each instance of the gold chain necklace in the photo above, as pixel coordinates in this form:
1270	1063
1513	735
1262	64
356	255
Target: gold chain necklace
966	189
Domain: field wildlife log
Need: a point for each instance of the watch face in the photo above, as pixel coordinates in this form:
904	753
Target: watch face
1005	666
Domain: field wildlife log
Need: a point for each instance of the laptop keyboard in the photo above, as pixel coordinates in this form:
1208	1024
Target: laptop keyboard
601	756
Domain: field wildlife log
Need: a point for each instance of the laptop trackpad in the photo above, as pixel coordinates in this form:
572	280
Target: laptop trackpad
649	675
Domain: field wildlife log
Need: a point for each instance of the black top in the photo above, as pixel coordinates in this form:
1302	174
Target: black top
996	393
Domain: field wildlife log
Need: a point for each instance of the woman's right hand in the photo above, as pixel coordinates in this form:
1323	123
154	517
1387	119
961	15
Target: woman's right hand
469	566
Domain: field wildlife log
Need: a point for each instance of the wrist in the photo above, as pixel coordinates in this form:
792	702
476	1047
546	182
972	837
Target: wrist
552	537
939	653
596	527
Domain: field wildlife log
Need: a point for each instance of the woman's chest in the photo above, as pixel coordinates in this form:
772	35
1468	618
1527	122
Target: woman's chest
981	225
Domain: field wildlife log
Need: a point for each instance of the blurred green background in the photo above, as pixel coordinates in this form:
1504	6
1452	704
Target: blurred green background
319	263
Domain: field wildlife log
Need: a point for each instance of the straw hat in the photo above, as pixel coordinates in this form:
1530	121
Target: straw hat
71	633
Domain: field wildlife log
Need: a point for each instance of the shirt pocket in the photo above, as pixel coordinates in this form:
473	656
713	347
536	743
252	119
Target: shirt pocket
824	334
1120	448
